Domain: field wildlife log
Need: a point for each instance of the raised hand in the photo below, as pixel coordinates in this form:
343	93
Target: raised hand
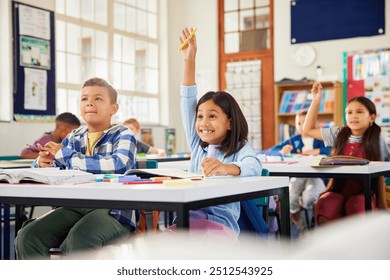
316	92
188	51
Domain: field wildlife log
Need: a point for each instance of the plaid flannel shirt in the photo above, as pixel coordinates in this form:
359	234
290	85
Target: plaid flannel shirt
113	153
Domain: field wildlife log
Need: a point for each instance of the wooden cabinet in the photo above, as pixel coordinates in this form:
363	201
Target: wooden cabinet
292	97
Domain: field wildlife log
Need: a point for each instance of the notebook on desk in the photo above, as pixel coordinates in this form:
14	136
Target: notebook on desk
332	161
166	172
17	163
50	176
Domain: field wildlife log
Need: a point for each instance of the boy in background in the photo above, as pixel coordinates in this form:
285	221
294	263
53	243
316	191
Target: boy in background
142	147
65	123
304	192
98	148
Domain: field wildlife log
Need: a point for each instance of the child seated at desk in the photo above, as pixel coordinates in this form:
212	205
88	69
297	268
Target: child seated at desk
98	148
217	133
360	137
142	147
65	123
305	189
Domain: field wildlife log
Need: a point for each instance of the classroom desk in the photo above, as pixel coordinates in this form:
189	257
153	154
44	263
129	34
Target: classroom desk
301	167
16	163
203	193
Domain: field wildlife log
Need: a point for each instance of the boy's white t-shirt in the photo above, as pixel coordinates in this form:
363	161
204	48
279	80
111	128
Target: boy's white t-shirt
307	143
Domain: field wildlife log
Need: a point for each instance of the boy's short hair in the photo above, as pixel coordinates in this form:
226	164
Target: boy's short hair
99	82
132	121
68	118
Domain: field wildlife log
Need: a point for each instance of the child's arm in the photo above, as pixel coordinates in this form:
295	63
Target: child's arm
212	166
245	163
189	55
309	127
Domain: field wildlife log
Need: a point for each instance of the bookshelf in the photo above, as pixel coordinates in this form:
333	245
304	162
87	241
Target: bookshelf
292	97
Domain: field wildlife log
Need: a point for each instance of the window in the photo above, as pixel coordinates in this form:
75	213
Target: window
247	25
246	38
121	47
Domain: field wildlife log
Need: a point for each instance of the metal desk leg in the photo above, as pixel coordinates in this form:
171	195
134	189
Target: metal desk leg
182	219
367	192
7	231
1	231
285	214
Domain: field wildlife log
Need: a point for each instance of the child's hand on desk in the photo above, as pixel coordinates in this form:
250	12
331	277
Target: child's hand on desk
286	149
312	152
212	166
47	153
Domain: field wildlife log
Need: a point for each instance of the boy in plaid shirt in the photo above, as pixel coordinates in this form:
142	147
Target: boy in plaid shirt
98	148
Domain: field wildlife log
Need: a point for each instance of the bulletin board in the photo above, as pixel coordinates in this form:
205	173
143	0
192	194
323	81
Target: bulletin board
34	88
368	74
321	20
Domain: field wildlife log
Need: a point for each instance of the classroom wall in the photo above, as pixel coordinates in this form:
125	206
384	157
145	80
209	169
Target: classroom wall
329	53
204	15
14	136
192	13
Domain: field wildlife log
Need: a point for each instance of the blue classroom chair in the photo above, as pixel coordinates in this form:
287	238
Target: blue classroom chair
255	213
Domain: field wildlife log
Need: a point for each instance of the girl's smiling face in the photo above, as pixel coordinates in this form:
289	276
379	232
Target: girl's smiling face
358	118
212	124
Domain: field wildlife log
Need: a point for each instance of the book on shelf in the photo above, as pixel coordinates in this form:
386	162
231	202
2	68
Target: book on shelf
295	101
50	176
163	172
286	131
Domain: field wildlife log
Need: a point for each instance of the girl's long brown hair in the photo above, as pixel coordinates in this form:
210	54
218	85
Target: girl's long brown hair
238	135
370	139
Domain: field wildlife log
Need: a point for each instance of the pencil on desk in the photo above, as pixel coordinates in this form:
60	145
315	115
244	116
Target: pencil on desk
188	38
35	148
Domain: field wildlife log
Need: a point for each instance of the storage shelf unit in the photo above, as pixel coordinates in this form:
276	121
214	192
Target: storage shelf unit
334	114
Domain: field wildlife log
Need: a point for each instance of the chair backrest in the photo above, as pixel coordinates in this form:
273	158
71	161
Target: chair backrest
146	164
251	217
9	157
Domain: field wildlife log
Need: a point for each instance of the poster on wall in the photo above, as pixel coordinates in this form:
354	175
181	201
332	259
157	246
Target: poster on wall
368	74
34	53
35	82
243	81
34	22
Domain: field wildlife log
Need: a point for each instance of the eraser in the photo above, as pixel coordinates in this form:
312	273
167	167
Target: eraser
178	182
160	179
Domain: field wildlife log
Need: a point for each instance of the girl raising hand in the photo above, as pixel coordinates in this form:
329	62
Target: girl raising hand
360	137
217	132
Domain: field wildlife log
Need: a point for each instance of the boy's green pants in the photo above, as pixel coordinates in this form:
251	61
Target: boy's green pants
74	230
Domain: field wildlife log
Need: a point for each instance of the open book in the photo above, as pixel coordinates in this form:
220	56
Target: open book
51	176
165	172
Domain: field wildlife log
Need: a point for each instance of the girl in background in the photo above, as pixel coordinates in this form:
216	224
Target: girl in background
361	137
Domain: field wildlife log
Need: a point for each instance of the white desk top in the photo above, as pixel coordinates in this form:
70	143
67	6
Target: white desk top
205	189
304	166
